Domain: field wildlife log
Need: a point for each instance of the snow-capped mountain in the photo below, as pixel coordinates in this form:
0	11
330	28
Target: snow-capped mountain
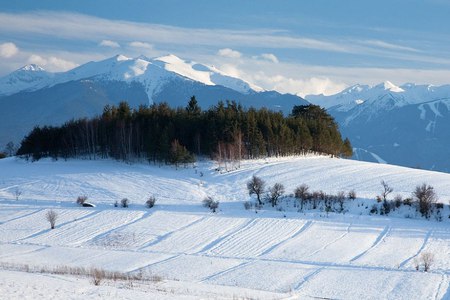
406	125
150	72
31	96
30	77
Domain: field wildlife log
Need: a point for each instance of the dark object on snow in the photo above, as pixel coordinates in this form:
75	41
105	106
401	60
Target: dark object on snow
87	204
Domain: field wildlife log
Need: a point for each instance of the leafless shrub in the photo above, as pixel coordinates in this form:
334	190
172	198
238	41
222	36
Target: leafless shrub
124	202
398	200
416	264
211	204
81	199
351	195
150	201
427	259
426	197
207	202
97	276
51	217
301	193
17	193
407	201
340	198
248	205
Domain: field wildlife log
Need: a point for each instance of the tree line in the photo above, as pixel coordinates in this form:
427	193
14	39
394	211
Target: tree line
159	133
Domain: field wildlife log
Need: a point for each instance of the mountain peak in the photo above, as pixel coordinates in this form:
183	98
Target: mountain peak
32	68
389	86
121	57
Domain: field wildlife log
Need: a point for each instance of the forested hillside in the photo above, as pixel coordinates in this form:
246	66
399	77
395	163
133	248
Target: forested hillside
160	133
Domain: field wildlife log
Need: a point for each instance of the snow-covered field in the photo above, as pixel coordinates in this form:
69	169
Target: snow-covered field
235	253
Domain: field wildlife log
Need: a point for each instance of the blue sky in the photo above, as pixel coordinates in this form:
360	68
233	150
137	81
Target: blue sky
319	46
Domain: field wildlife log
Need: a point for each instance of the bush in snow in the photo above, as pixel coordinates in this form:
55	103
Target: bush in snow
211	204
150	201
81	199
426	259
124	202
398	201
17	193
426	197
301	193
97	276
51	217
340	198
248	205
408	201
351	195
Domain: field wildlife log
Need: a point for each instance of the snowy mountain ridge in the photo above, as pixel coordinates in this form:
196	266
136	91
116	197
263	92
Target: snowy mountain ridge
152	73
407	125
385	95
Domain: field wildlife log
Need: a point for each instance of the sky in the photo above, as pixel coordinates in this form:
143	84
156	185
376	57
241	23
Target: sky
293	46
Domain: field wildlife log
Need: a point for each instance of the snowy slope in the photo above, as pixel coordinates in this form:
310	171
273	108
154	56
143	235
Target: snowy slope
235	253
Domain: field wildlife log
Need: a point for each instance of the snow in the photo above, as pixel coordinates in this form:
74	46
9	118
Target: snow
152	73
384	96
235	253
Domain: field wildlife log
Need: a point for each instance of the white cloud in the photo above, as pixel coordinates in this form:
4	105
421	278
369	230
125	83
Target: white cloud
8	50
270	57
88	28
142	45
52	63
230	53
298	86
390	46
109	43
36	59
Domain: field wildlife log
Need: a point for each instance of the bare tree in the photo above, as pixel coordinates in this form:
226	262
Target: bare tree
256	186
426	197
301	193
10	149
17	193
386	190
275	193
427	260
51	216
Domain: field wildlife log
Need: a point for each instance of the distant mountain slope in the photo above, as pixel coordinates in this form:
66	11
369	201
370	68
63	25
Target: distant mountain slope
407	125
31	96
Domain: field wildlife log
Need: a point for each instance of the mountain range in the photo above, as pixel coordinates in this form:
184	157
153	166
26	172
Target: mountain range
32	96
407	125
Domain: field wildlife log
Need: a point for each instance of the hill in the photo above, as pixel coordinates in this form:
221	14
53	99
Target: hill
268	253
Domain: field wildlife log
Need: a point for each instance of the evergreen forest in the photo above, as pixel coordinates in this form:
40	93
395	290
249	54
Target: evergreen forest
159	133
